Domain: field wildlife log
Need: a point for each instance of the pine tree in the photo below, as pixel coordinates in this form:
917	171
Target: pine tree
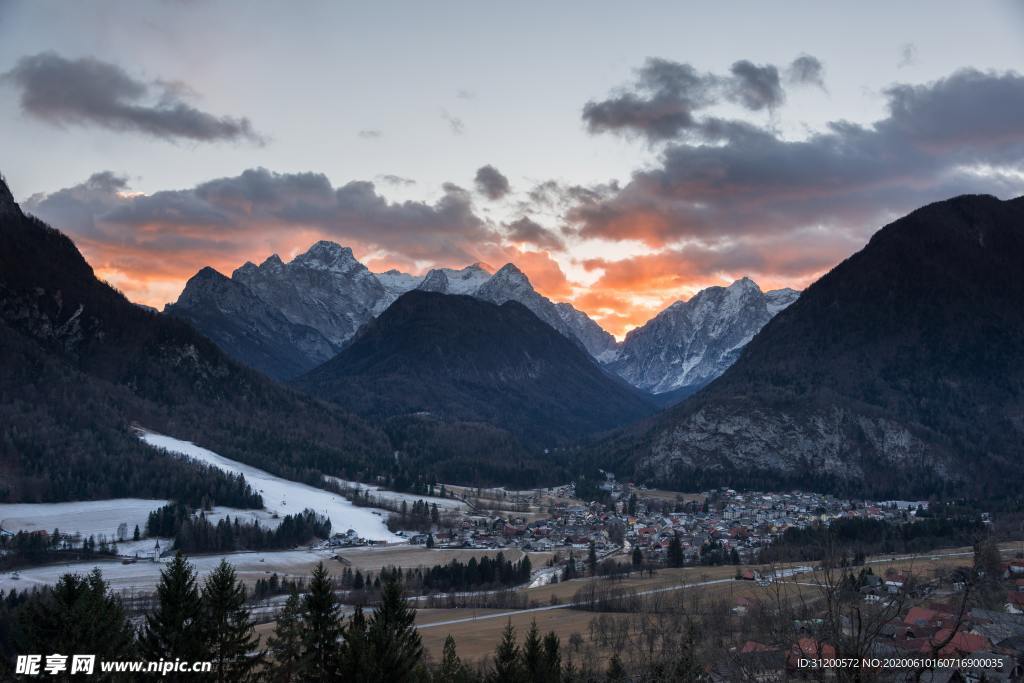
552	658
638	556
616	672
451	670
321	628
79	615
592	559
229	632
506	658
675	552
355	649
286	643
172	629
395	643
532	654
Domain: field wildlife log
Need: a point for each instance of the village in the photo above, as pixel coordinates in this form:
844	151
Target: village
722	526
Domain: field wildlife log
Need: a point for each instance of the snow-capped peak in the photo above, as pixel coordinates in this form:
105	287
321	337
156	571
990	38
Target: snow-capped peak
692	342
326	255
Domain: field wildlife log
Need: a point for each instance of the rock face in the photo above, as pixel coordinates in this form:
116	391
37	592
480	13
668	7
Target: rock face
451	281
690	343
460	358
511	284
325	288
900	372
395	284
256	333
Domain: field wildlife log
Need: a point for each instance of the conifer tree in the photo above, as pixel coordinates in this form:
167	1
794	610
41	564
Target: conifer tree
395	643
552	658
592	559
616	672
79	615
229	632
675	552
506	658
532	654
286	643
452	670
355	650
638	556
321	628
172	630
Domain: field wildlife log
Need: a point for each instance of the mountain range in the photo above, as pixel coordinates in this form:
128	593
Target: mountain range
898	373
284	319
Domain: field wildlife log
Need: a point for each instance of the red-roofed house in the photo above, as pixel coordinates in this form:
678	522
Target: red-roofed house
962	643
809	648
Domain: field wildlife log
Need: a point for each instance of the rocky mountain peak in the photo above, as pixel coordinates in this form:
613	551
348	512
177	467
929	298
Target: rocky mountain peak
508	281
435	281
692	342
7	204
326	255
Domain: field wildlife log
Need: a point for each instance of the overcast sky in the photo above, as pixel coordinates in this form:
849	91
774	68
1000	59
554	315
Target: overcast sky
624	157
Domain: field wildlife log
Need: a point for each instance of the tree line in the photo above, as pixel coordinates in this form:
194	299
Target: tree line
193	532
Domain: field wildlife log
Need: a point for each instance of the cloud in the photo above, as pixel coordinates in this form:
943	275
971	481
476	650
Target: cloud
806	70
88	91
223	222
397	180
755	86
527	231
370	134
661	104
465	94
753	183
455	124
491	183
666	97
908	55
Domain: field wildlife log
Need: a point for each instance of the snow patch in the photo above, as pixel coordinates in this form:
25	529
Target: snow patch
286	497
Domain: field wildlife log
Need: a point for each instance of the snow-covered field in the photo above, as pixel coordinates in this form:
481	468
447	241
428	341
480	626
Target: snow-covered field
144	574
88	518
286	497
395	497
96	517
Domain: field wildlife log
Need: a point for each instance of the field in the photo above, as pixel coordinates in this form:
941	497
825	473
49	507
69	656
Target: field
287	497
477	631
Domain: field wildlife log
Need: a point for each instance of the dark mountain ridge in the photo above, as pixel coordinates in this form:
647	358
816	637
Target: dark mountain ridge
900	372
81	364
464	359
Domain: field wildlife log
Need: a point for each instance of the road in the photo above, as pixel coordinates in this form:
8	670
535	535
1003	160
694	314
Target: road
566	605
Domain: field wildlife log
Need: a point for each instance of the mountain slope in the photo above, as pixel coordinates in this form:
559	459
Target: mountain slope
692	342
511	284
82	363
325	288
461	358
247	329
900	372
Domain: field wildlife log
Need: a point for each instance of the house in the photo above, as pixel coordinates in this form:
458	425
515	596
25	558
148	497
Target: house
962	643
894	583
1015	602
808	648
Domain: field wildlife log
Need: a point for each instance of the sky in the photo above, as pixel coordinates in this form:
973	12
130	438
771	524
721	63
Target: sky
623	157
